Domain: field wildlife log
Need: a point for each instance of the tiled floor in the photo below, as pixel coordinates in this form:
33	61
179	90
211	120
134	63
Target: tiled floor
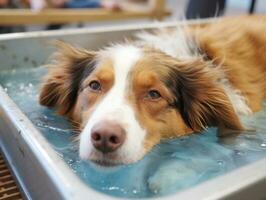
8	187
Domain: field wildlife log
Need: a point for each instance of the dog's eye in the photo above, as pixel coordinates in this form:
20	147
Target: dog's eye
95	86
153	94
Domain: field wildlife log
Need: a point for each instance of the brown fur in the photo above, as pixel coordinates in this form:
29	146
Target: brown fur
62	83
239	45
192	98
195	93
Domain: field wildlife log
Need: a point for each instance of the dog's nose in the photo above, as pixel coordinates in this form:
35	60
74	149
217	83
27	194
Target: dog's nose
107	136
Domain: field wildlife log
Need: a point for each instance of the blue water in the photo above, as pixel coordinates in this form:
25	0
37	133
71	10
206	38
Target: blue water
170	167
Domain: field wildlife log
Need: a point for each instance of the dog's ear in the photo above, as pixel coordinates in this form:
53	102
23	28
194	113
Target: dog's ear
65	73
201	99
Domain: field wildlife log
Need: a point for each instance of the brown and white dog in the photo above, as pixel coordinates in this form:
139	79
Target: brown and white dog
127	97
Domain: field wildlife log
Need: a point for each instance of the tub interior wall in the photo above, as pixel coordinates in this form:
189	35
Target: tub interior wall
25	52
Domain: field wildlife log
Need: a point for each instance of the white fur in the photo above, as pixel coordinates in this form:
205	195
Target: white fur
239	102
115	107
173	43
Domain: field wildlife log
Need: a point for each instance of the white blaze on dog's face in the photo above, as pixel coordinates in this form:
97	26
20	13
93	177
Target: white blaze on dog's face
127	98
112	73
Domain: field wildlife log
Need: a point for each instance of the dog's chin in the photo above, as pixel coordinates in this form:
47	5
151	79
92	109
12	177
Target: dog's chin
106	163
113	159
106	160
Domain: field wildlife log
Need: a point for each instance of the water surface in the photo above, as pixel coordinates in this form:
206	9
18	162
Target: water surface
172	166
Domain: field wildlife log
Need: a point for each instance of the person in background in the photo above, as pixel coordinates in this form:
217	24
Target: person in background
4	4
11	4
205	8
38	5
115	5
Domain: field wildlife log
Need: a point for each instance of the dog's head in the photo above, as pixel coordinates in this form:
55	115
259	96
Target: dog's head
128	98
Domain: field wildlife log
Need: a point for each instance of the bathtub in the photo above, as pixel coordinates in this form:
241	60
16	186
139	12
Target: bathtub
41	173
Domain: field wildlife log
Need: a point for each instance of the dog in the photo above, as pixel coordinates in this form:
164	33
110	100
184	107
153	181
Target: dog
128	97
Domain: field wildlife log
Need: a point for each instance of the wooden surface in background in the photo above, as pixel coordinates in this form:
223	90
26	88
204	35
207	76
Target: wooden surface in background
11	17
54	16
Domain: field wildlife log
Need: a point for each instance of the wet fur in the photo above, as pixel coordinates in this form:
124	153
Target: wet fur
205	85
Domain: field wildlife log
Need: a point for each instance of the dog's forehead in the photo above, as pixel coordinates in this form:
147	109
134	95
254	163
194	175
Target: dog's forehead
130	65
122	59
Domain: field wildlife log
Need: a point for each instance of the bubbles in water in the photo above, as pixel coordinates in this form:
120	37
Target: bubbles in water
239	153
220	162
172	166
134	191
263	145
21	87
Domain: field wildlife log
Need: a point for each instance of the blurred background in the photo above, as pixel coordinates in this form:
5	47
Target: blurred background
36	15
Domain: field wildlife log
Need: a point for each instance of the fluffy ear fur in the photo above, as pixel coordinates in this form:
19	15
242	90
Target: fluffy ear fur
68	67
200	99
